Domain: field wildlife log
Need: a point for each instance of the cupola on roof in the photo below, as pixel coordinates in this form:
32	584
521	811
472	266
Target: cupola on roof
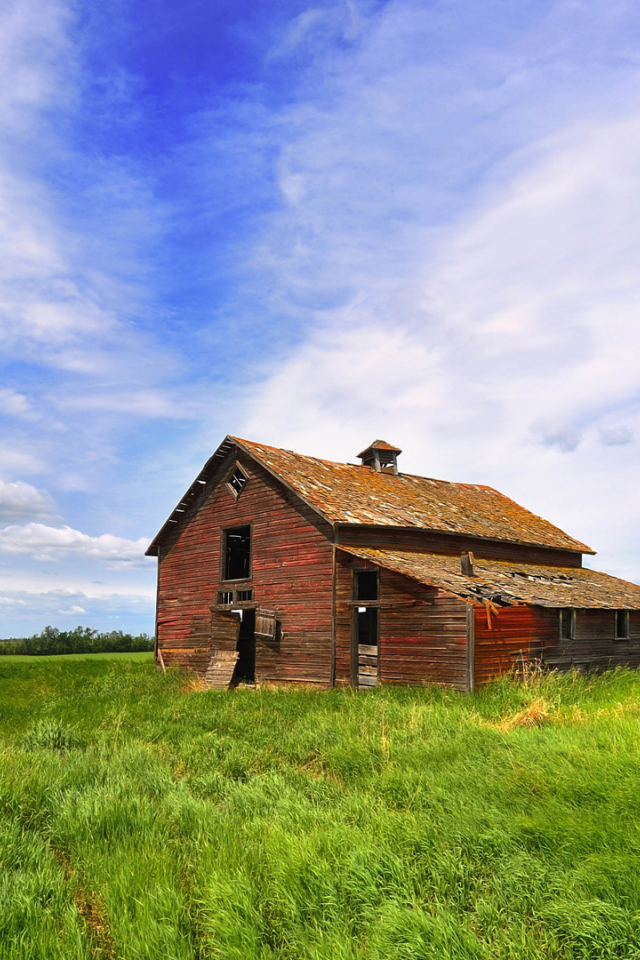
382	456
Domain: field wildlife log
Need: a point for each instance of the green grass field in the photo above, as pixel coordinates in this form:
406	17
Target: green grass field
140	818
137	656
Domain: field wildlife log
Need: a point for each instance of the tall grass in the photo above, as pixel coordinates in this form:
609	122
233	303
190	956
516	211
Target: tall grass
142	820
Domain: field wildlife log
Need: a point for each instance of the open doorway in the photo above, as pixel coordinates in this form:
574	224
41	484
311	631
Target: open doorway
366	628
245	671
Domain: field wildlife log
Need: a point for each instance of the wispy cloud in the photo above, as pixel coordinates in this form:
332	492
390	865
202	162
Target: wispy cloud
495	341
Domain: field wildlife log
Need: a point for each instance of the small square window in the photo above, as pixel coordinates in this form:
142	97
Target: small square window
243	596
622	625
567	624
237	481
225	597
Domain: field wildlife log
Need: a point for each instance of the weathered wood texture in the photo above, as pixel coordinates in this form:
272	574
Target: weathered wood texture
532	633
423	631
595	646
220	669
514	634
291	575
452	544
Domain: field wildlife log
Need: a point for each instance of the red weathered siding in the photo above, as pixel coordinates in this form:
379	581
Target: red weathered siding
505	639
532	633
423	631
291	574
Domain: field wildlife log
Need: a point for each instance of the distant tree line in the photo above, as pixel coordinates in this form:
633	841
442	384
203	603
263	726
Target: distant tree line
80	640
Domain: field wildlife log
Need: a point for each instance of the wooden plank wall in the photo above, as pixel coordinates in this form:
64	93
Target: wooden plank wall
515	634
531	633
595	647
454	544
291	574
423	631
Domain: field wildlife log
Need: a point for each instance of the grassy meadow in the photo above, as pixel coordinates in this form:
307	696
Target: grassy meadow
143	818
138	656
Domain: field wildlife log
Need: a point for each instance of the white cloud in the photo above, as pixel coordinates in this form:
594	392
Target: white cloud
14	404
50	543
21	501
314	26
558	433
18	457
616	436
35	56
166	404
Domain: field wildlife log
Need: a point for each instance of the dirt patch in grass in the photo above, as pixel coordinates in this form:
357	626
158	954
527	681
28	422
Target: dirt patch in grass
91	908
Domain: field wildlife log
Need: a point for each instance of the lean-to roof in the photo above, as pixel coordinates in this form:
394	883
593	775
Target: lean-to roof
509	583
350	493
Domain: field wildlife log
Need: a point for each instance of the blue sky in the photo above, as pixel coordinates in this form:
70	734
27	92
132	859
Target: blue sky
311	225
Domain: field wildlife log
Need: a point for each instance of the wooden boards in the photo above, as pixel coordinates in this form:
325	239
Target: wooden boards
368	665
220	669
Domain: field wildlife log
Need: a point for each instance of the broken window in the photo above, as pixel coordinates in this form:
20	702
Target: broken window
237	553
237	481
229	597
622	625
567	624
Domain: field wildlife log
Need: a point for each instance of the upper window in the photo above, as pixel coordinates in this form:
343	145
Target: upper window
366	585
237	553
567	624
237	481
622	625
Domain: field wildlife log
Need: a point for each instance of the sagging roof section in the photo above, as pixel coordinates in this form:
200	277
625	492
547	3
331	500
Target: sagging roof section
349	493
507	584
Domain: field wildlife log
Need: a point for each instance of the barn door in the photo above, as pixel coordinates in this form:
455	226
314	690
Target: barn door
367	646
366	628
225	629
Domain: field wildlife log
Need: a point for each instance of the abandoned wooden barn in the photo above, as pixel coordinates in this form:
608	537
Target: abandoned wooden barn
281	567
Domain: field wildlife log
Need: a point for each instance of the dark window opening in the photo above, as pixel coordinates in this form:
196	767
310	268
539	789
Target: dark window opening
225	597
366	585
367	626
237	553
622	625
245	670
567	624
242	596
237	481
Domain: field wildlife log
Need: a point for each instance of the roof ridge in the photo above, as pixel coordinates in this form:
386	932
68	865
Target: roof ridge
359	466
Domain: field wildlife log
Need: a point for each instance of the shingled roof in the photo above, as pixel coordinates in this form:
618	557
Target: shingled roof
347	493
350	493
509	583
